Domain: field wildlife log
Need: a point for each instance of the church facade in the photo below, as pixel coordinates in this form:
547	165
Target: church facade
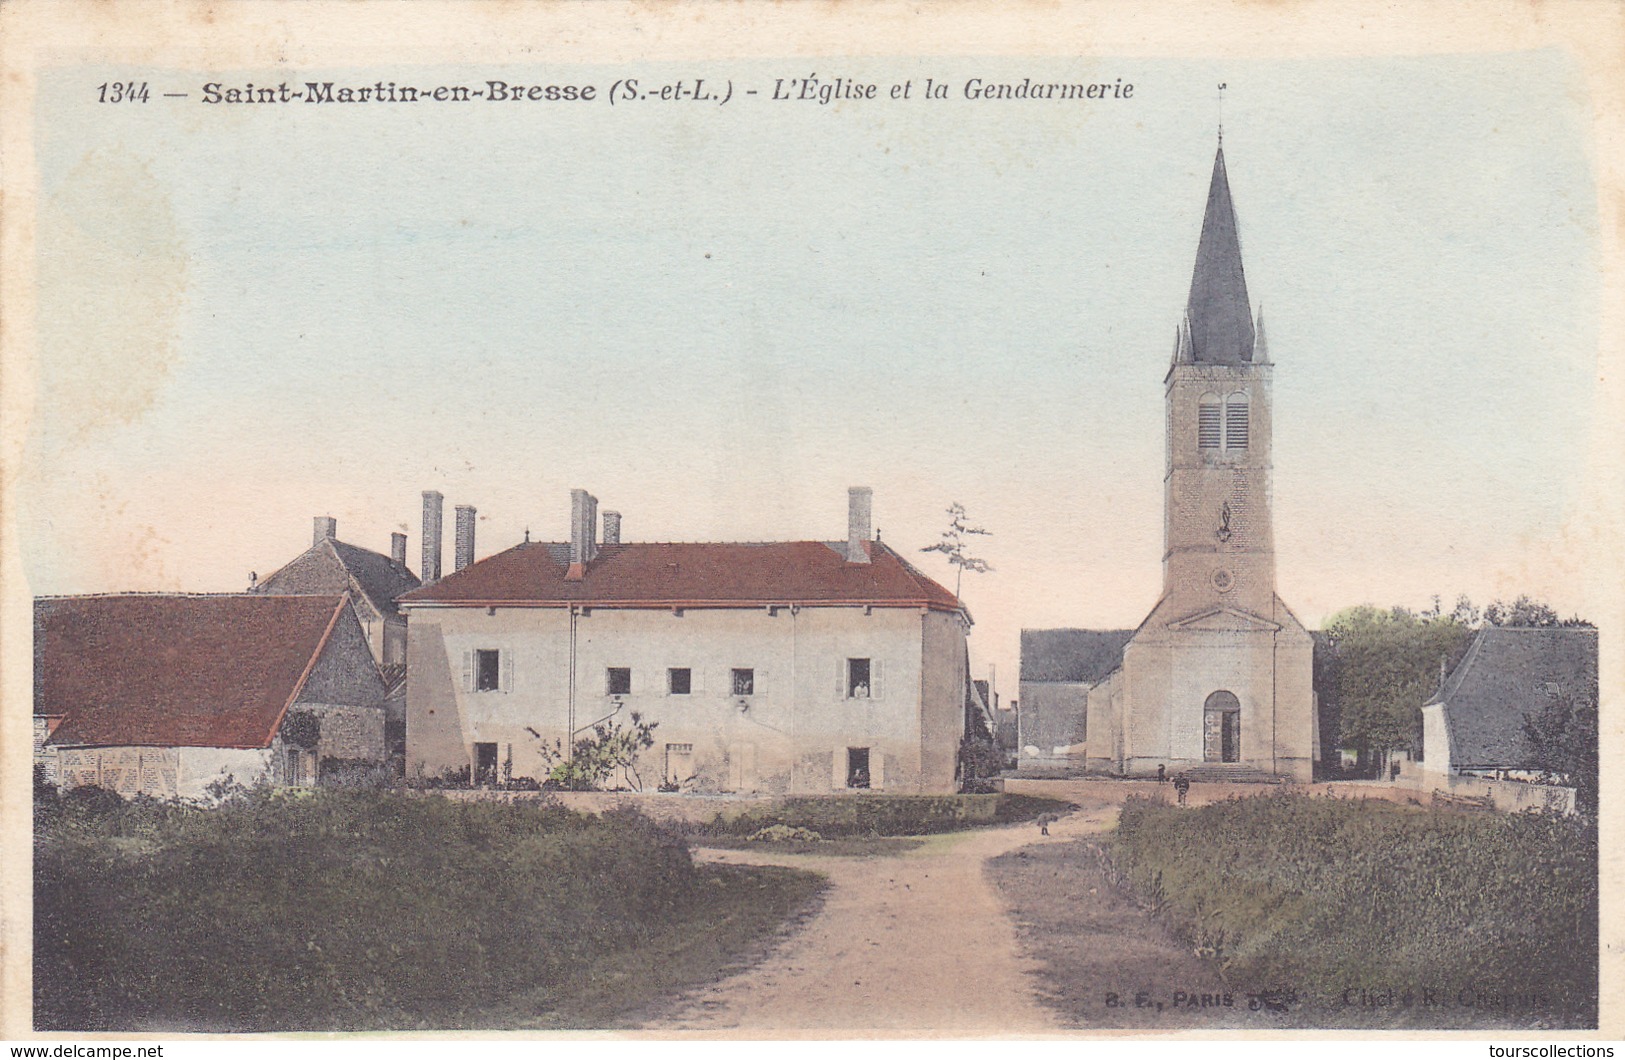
1218	678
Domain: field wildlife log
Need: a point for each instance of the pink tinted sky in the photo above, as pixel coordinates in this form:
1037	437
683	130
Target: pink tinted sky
717	319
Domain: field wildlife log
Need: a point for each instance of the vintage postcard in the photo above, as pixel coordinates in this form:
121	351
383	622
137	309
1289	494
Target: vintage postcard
822	521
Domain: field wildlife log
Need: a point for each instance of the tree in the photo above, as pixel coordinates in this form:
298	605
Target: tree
1562	735
611	746
955	546
1385	665
1527	612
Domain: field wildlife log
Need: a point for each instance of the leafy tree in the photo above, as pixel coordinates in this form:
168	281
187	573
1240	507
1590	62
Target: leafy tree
955	546
1563	736
1385	665
979	755
1527	612
611	746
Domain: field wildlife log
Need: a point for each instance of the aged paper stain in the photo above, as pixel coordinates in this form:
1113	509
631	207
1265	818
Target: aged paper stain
112	273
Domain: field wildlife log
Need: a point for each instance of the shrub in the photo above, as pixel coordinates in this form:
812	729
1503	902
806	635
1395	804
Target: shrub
333	910
783	833
854	815
611	748
1322	894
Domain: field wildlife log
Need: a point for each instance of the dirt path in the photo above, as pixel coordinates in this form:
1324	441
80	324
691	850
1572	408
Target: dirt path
917	943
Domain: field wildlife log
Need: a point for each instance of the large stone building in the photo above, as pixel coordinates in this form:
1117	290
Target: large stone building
166	695
1219	675
370	579
802	666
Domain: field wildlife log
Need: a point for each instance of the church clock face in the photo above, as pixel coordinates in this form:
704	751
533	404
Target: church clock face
1223	580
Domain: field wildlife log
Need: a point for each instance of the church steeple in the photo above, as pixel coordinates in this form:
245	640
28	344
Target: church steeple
1218	314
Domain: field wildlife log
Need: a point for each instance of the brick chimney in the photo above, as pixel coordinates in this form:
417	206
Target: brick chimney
464	554
612	528
433	509
397	549
327	529
859	501
583	533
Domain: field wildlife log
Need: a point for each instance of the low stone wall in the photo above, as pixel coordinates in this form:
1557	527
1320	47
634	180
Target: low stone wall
1507	795
1511	796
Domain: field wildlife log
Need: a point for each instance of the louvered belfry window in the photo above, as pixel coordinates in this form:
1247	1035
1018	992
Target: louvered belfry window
1235	422
1207	423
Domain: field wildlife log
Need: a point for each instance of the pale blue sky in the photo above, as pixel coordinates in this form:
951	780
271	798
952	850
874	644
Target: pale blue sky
718	318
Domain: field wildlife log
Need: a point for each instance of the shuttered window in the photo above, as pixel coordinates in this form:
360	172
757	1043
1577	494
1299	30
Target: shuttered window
487	670
1235	422
1207	424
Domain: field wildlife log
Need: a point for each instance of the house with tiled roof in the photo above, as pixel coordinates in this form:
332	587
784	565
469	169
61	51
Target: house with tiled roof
372	581
1474	725
794	666
166	695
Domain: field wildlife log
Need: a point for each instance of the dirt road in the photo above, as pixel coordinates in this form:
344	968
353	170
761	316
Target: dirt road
912	944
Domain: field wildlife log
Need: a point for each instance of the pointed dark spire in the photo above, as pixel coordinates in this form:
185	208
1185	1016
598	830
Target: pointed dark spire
1218	314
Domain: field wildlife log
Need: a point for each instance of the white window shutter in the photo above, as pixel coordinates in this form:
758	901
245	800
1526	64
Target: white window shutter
760	680
875	684
840	678
877	769
837	775
507	671
468	671
696	683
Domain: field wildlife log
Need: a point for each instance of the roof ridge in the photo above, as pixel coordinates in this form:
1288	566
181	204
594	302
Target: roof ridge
1543	629
148	594
1458	676
310	667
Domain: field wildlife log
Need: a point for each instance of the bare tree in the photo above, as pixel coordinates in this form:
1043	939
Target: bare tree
956	547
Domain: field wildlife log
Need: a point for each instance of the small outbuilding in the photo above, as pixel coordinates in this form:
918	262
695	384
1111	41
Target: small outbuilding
1475	724
168	695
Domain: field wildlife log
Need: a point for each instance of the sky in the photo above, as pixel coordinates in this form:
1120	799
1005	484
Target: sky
719	317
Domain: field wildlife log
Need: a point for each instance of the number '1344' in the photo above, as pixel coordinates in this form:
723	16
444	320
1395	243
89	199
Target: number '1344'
122	92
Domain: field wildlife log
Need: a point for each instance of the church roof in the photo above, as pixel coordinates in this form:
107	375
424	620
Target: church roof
1074	655
1507	674
1218	316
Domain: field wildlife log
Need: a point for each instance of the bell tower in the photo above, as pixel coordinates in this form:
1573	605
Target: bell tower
1218	680
1218	547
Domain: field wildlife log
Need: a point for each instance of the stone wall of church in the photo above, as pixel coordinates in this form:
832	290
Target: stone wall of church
1169	676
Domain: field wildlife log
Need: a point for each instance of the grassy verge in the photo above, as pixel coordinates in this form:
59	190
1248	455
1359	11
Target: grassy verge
368	911
848	847
885	815
1375	915
1107	963
743	910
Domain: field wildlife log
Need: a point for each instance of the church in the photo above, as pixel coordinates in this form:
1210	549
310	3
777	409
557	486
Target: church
1217	681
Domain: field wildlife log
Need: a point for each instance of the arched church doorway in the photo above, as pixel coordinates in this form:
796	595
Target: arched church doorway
1221	728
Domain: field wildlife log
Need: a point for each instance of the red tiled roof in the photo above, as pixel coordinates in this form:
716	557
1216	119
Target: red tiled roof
175	671
689	575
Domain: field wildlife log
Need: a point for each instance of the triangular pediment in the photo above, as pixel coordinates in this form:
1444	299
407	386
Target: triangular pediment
1225	619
